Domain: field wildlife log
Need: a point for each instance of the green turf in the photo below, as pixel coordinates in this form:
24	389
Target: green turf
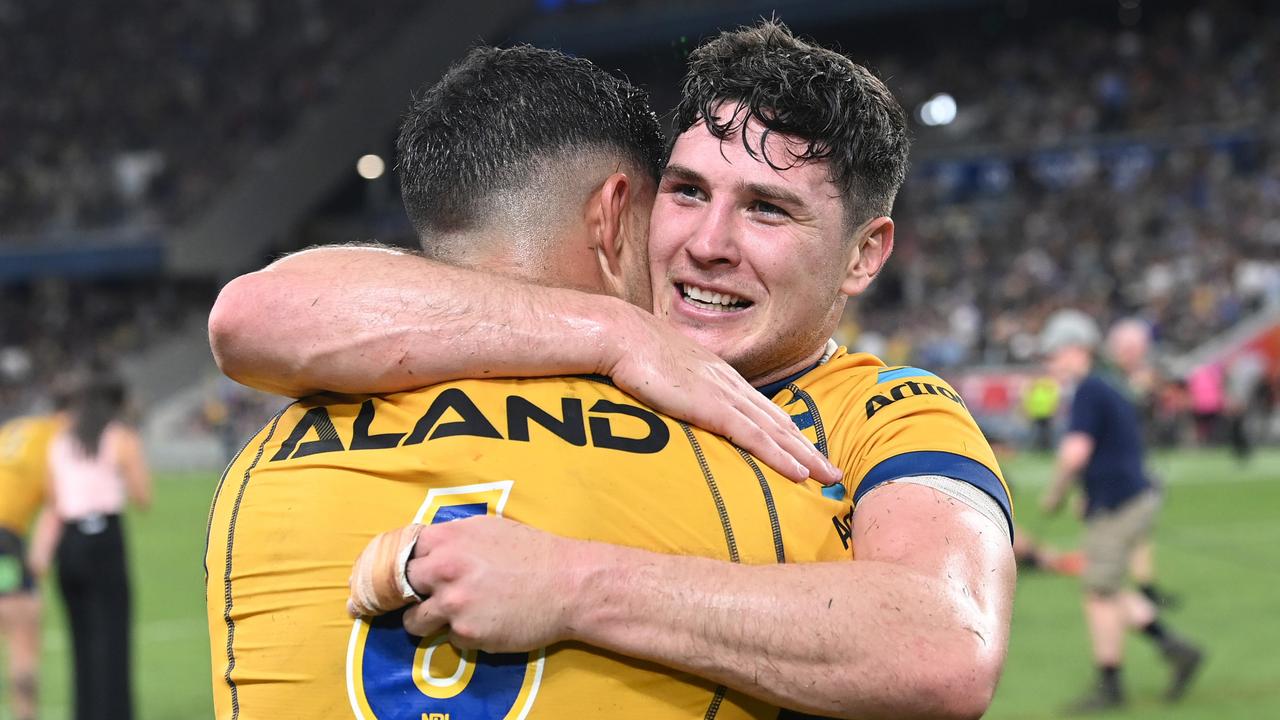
1217	548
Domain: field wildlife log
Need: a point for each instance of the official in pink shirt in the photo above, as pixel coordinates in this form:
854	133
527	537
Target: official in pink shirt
96	468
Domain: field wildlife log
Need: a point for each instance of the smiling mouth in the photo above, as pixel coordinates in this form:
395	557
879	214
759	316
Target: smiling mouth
711	300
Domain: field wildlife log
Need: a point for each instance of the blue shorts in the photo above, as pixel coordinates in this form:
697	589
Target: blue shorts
15	576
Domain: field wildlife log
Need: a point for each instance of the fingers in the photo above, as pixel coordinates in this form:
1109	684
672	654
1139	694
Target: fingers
423	619
378	582
788	451
747	434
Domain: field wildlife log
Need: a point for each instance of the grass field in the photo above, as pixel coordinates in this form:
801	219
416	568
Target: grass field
1218	548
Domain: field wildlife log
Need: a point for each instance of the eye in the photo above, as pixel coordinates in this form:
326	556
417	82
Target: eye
688	192
768	209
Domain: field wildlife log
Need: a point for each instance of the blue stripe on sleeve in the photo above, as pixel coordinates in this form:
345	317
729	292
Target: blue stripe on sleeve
931	462
902	372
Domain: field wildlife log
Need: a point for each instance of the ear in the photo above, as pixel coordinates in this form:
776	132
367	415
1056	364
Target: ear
609	224
870	250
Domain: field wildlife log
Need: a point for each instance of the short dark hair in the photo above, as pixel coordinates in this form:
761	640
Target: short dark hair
844	112
485	125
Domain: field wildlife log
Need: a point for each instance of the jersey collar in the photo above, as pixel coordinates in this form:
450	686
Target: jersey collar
775	387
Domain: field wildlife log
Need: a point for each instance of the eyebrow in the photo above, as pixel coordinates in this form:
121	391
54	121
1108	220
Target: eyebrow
680	172
772	193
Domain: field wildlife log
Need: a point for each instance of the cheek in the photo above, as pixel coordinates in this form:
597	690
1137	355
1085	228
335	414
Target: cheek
664	239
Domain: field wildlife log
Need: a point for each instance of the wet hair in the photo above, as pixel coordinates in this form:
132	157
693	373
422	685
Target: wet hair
97	402
496	119
841	111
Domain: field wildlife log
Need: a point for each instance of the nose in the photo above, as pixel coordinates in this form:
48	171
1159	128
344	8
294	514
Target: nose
715	240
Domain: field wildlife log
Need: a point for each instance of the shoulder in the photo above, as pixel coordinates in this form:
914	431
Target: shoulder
121	435
1094	388
844	376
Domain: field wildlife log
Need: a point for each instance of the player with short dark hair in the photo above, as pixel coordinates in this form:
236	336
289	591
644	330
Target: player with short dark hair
472	153
845	117
756	261
575	456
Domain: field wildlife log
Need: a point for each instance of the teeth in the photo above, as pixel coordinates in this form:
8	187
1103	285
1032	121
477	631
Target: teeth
702	296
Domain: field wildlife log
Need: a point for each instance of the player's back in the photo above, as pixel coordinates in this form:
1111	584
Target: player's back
572	456
24	459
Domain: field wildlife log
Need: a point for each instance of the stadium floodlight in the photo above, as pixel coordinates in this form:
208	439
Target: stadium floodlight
938	110
371	167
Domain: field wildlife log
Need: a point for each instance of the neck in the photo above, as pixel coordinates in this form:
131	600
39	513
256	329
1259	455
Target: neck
533	257
790	369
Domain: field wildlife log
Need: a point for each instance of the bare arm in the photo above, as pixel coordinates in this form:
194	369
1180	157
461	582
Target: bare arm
46	534
374	320
1073	454
371	320
133	466
44	540
916	627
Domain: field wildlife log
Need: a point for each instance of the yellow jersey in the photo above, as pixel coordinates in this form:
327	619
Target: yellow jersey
878	424
573	456
24	464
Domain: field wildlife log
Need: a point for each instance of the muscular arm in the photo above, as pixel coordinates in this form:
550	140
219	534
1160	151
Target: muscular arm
369	320
375	320
917	626
1073	454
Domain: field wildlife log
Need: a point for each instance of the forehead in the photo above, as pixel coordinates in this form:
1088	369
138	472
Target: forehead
726	161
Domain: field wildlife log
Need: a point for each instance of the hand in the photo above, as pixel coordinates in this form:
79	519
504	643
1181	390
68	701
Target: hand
378	582
680	378
498	585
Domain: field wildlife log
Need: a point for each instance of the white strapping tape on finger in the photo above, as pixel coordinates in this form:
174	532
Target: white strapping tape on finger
402	568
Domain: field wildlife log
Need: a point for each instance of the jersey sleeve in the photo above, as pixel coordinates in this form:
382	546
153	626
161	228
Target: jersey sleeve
913	423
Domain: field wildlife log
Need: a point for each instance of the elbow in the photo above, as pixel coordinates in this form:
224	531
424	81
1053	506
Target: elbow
244	333
965	688
949	681
230	323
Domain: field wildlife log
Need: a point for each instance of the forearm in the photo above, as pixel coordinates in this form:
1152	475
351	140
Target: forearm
368	320
1073	455
139	489
44	540
851	639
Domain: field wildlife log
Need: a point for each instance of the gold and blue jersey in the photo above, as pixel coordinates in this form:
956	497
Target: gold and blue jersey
573	456
879	424
24	463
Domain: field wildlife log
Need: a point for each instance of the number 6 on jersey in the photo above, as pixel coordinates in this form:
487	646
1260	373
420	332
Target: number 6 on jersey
392	675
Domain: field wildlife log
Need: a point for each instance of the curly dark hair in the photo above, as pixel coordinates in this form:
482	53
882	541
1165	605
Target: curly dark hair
482	128
843	112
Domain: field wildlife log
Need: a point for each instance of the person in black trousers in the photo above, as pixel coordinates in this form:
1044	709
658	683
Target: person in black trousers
95	467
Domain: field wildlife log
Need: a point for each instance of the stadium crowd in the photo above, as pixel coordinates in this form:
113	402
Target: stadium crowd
1125	168
137	111
1188	240
54	324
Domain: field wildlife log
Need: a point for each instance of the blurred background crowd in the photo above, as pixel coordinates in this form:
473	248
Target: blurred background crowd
1120	158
